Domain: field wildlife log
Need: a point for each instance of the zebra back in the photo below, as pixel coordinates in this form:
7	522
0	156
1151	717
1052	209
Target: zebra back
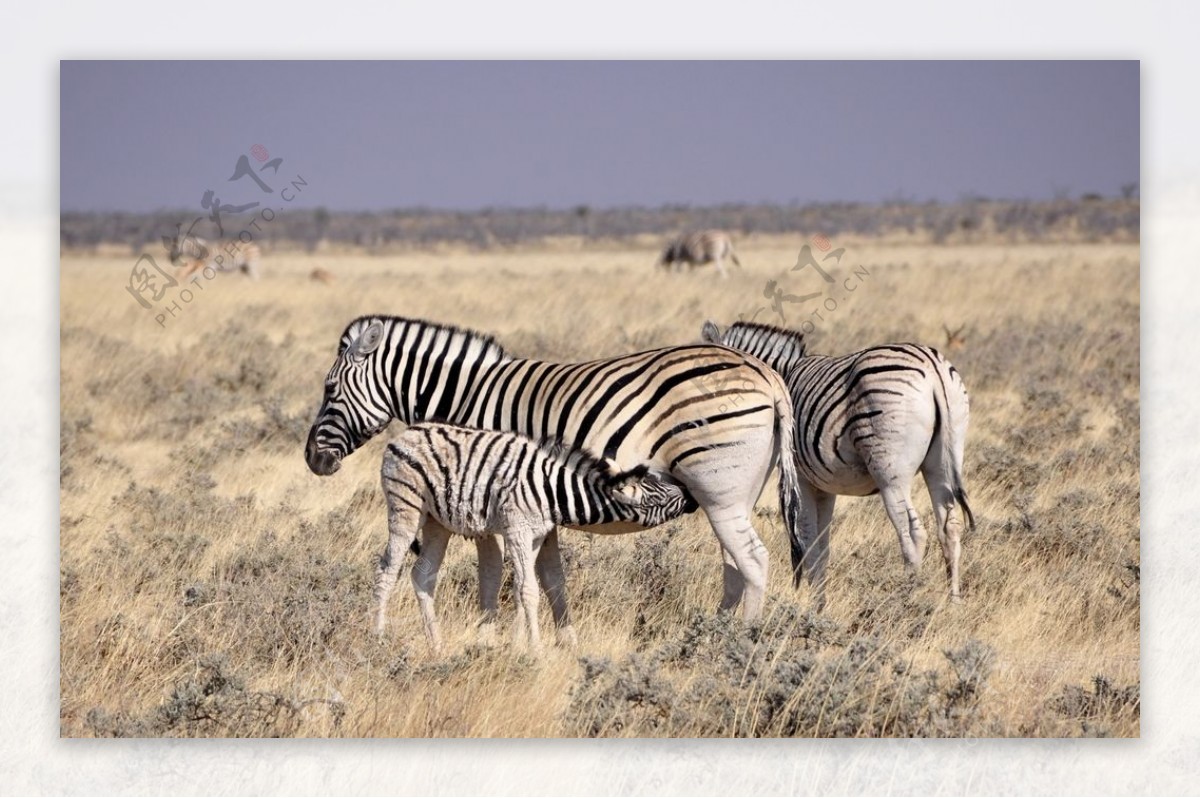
781	349
660	407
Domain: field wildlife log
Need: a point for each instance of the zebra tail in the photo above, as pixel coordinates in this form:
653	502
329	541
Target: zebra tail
789	479
960	493
951	446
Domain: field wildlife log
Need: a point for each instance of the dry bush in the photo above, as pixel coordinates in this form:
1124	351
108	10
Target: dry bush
211	585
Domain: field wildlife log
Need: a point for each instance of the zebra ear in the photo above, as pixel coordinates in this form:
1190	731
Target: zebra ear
711	333
368	342
627	488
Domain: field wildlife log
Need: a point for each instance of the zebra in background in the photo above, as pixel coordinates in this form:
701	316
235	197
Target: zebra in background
191	254
698	249
713	419
447	479
866	423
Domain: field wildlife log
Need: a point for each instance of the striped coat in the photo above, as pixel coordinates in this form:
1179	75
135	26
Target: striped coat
714	419
867	422
476	483
699	249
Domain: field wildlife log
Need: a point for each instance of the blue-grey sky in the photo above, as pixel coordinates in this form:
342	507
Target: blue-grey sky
145	135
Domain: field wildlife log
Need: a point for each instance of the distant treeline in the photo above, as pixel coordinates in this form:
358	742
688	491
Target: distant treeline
1089	218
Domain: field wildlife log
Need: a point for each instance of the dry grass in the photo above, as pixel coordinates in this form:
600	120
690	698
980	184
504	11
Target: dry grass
211	585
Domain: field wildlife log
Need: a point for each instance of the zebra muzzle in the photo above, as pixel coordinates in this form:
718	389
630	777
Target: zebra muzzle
321	462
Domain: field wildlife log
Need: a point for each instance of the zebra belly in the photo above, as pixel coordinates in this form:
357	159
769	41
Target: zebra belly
469	522
851	480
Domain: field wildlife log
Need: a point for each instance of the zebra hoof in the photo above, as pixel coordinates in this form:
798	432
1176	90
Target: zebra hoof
567	637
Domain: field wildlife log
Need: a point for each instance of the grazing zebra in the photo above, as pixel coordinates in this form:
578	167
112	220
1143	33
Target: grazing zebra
698	249
866	423
191	254
478	483
714	419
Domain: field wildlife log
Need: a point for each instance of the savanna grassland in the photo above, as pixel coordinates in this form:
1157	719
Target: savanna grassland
212	586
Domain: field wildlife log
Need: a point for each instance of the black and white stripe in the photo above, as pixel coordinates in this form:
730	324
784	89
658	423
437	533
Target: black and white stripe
714	419
699	249
867	423
450	479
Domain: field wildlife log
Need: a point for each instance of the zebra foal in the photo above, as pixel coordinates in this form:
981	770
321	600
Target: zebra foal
866	423
451	479
699	249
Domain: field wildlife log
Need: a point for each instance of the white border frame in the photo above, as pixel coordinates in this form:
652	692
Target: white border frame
32	757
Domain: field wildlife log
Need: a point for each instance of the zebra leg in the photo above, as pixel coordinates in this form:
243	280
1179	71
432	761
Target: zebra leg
550	574
424	577
745	558
524	546
721	268
897	500
733	584
816	512
726	488
946	516
402	529
491	574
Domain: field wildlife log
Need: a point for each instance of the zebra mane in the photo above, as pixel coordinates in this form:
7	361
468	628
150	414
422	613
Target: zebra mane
753	329
354	330
778	347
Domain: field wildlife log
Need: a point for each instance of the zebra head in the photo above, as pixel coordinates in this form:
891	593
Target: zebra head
669	255
354	408
653	497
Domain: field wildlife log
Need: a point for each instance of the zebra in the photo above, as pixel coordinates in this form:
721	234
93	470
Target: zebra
449	478
866	423
714	419
191	254
698	249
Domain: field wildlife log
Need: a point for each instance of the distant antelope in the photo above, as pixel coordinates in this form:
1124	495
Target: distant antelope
955	339
441	478
191	254
699	249
321	275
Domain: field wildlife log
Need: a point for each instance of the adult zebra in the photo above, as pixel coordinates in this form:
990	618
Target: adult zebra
698	249
867	422
715	419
